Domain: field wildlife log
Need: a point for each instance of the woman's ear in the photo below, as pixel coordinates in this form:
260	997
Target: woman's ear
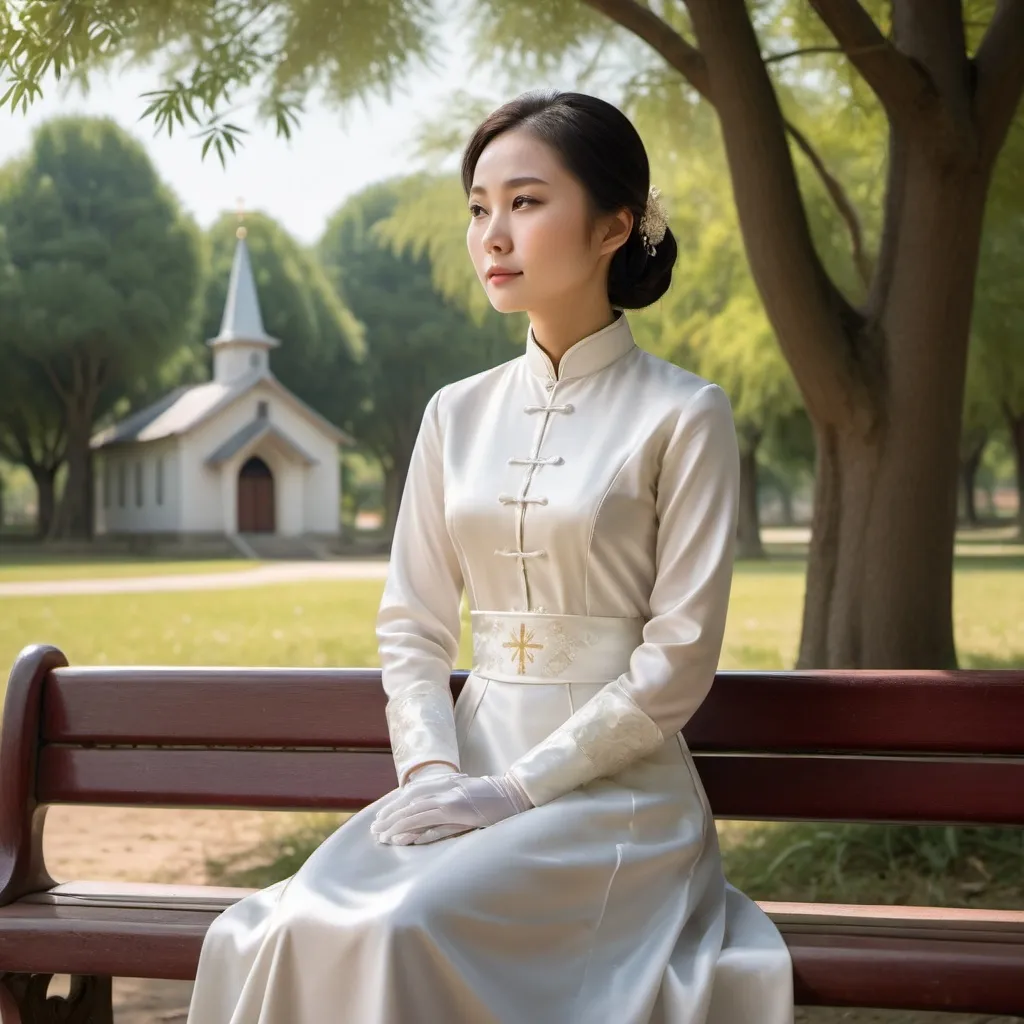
617	229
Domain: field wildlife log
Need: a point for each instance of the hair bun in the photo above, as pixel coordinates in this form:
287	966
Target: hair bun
636	279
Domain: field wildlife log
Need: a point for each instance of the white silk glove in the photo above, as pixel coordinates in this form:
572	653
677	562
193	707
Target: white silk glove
446	805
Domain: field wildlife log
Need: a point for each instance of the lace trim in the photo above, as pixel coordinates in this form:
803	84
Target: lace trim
421	724
613	731
606	735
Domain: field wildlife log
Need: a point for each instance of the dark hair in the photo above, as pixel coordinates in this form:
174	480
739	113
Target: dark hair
598	145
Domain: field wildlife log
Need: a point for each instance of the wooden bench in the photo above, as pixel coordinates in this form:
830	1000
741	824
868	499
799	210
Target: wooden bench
835	746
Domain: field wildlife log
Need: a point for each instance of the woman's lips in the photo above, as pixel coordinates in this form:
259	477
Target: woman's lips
502	277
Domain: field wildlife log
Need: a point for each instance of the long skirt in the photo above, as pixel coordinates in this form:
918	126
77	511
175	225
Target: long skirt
605	906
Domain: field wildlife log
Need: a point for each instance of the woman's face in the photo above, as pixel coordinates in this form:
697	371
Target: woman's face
532	237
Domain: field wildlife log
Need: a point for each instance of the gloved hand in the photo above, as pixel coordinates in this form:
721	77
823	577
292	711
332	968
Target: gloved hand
440	806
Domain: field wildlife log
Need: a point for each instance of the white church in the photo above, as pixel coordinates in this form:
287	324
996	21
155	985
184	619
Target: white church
240	455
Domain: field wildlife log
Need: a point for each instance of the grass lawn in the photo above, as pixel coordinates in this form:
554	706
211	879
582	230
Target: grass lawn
15	569
332	624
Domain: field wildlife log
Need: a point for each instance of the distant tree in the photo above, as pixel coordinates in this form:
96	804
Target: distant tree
31	416
416	340
321	341
31	429
102	279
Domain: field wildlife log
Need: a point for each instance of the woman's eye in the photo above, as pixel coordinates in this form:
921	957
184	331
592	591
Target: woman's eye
521	201
475	210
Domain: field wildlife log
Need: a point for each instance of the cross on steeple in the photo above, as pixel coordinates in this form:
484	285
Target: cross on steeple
241	232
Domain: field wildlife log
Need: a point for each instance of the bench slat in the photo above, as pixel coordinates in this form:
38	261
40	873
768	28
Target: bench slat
923	712
223	706
907	974
897	790
258	779
833	965
815	788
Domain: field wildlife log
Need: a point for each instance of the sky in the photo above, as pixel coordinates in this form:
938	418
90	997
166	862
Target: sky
301	181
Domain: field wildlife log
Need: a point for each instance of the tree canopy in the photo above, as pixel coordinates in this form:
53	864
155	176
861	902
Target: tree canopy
102	278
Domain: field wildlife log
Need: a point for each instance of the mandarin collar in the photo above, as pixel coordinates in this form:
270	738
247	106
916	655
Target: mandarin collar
590	354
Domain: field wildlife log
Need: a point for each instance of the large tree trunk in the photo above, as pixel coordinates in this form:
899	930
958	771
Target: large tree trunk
1016	424
748	534
879	589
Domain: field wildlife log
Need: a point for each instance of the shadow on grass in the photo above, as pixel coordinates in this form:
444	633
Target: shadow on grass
890	864
275	858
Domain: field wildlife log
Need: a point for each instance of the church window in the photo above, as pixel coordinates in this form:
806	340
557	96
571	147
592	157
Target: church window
160	480
108	482
262	410
121	483
138	483
254	359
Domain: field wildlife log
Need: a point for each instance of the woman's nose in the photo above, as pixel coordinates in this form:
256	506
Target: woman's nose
496	238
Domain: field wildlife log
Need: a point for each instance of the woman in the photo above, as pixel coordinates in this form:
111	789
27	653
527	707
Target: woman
549	856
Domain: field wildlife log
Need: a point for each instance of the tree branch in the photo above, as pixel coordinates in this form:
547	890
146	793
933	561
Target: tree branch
812	320
803	51
661	37
999	62
689	61
51	375
900	84
842	202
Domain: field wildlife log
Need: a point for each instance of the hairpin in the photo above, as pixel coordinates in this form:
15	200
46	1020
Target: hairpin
654	222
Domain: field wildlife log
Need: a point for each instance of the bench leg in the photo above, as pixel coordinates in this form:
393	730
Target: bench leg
23	1000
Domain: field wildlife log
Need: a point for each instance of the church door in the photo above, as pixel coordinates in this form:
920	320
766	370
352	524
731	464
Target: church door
255	497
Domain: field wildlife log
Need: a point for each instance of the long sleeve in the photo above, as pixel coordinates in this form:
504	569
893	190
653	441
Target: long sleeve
418	623
672	669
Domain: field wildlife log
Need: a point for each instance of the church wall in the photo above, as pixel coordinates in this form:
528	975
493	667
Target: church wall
307	498
203	501
138	488
320	490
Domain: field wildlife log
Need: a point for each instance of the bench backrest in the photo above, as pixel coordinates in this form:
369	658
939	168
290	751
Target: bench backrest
823	746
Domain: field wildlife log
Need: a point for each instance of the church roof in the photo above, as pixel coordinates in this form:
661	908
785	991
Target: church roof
242	320
252	432
176	412
187	407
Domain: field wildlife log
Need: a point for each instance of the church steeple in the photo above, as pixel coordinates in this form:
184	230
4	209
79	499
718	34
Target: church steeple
242	346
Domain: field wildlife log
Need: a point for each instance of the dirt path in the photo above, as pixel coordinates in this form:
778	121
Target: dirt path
263	576
141	845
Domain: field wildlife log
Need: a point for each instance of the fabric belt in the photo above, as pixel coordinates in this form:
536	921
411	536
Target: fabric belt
532	647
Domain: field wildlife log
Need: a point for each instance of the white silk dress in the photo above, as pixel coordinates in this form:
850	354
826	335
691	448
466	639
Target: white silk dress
589	516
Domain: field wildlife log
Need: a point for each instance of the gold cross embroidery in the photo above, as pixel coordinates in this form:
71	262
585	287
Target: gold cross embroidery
522	647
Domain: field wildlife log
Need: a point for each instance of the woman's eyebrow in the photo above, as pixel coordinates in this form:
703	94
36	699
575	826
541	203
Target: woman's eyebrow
511	183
